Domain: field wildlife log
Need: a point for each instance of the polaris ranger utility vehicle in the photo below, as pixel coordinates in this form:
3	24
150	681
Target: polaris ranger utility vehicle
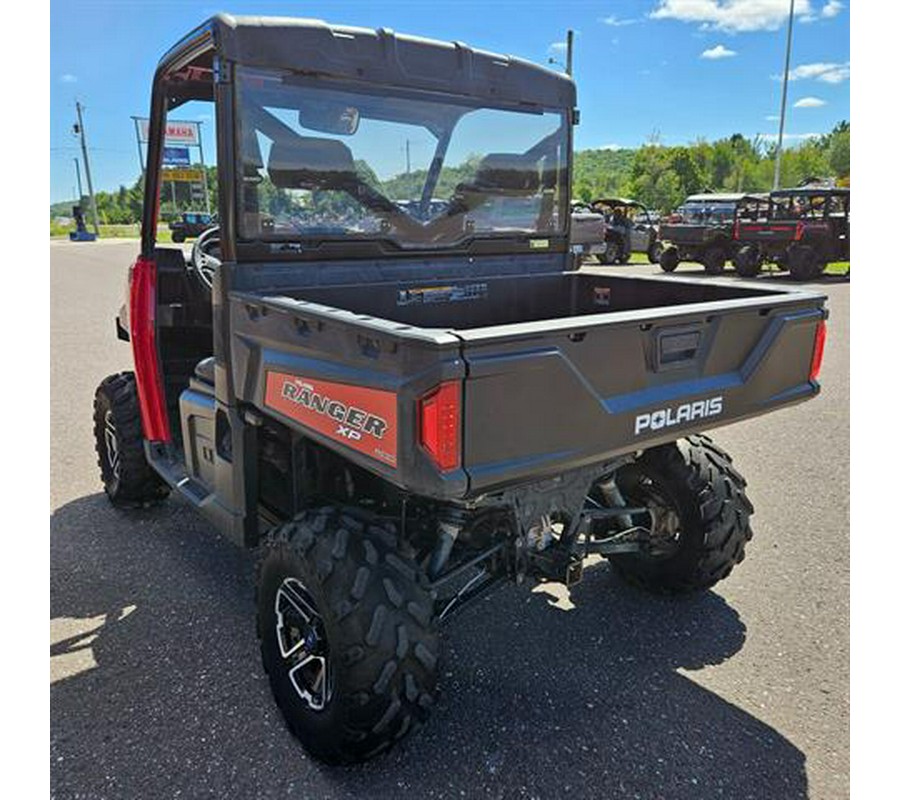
628	230
802	230
373	400
700	230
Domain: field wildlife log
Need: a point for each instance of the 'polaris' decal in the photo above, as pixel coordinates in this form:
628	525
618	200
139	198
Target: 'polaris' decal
364	419
677	415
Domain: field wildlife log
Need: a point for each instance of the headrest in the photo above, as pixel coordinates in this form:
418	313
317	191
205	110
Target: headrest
309	163
507	172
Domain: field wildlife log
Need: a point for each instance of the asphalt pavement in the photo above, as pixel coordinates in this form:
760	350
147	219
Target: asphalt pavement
742	692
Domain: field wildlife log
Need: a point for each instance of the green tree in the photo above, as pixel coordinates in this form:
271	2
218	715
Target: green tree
839	153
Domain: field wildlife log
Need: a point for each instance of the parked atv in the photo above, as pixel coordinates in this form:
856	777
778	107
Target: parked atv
399	412
702	230
801	230
628	230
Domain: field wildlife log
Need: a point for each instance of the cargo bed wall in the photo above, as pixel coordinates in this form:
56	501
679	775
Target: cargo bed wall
493	301
557	371
540	402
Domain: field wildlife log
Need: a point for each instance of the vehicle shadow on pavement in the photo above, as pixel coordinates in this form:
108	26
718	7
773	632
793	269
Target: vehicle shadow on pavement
157	688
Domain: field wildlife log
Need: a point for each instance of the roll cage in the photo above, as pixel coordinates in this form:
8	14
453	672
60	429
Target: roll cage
202	65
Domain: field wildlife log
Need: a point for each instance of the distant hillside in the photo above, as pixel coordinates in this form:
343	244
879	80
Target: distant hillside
601	172
62	209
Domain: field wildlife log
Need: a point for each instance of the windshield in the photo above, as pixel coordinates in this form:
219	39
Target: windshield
705	212
320	162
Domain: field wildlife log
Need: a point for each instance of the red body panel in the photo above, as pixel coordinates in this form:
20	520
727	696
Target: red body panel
361	418
142	321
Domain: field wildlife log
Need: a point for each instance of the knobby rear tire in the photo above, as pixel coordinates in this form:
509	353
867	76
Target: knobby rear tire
378	618
709	496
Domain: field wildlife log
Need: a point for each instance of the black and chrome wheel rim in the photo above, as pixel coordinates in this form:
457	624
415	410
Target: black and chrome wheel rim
303	645
111	442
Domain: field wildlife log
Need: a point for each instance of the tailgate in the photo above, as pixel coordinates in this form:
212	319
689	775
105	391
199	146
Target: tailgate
548	396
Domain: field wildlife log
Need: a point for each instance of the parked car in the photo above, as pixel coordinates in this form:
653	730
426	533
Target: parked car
190	225
587	233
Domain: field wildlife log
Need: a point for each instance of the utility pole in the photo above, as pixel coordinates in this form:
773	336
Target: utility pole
784	87
79	129
407	157
137	136
570	39
78	176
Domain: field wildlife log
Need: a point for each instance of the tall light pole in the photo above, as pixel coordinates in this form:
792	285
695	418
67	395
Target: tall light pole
79	129
784	86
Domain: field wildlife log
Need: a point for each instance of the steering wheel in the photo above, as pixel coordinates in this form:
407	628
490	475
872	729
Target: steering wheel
202	256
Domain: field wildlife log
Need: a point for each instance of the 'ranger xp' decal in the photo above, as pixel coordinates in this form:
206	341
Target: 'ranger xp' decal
364	419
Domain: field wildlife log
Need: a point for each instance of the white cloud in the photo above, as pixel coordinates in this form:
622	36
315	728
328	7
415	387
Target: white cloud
832	8
809	102
610	147
68	78
734	16
773	118
826	72
613	20
557	47
717	52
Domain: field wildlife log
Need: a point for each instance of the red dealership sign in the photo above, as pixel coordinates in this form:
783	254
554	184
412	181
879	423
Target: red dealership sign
183	133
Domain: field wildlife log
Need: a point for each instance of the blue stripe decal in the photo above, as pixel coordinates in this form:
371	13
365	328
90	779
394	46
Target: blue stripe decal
672	391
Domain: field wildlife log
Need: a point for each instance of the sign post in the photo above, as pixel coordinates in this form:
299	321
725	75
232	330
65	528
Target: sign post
203	166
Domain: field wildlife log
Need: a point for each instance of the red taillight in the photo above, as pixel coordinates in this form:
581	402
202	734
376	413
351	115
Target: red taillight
818	351
439	429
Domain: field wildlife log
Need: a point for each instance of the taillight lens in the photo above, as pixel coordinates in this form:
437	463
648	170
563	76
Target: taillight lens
818	351
439	428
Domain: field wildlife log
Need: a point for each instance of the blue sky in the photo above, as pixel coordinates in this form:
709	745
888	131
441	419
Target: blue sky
676	69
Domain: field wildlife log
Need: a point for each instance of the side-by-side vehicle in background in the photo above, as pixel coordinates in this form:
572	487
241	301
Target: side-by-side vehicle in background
396	410
801	230
701	229
629	229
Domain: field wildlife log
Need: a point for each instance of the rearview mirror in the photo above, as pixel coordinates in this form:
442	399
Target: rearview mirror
327	117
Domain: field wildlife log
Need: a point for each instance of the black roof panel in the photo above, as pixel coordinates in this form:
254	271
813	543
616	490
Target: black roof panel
379	56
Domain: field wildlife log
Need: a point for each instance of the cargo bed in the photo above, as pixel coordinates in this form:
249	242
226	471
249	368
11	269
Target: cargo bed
557	370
